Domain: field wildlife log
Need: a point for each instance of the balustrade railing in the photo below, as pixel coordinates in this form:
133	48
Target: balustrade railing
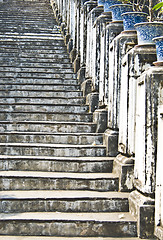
122	89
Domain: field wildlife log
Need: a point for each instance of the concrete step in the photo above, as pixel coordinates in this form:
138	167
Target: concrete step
63	201
26	24
30	100
39	93
72	224
36	69
41	64
19	180
7	10
57	150
56	164
37	74
52	108
25	64
40	67
5	18
47	126
38	22
28	12
11	41
38	81
39	86
26	6
57	40
48	137
36	56
43	116
66	238
31	45
27	9
25	30
33	50
24	60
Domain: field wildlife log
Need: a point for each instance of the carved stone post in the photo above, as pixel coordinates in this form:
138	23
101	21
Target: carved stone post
91	40
159	167
110	138
134	63
87	84
103	77
86	8
148	86
71	26
99	46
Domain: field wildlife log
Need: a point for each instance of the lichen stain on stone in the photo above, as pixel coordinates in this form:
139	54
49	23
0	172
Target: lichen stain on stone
129	180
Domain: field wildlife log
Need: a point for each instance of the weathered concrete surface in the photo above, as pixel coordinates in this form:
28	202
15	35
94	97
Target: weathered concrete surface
111	142
15	180
64	238
43	115
124	168
142	208
90	224
136	61
92	100
118	48
159	179
146	137
57	164
100	119
62	201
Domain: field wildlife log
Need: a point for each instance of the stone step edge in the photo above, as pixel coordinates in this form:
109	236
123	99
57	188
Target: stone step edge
57	175
39	112
60	194
50	145
53	134
49	122
82	159
42	104
65	238
69	217
42	98
32	36
41	90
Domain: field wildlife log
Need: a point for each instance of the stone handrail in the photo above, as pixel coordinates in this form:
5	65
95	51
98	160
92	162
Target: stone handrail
121	87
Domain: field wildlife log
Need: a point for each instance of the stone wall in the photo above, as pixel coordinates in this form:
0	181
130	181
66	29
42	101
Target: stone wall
124	92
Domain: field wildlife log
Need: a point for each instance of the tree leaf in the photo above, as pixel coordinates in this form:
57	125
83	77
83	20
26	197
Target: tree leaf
158	6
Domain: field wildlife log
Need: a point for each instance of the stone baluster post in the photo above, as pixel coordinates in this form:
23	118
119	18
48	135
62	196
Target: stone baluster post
98	46
91	38
134	63
86	7
76	53
148	85
103	80
159	167
110	138
71	26
93	14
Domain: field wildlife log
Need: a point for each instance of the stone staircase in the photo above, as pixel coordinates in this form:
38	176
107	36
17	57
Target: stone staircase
56	181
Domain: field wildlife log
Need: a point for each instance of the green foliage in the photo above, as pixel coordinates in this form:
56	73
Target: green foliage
158	6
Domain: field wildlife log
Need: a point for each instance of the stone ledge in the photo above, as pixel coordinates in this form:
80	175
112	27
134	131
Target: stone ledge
159	232
143	209
124	168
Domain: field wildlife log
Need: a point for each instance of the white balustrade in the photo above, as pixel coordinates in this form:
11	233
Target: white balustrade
159	177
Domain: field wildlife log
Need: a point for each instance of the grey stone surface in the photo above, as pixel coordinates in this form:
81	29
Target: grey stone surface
62	201
55	177
143	209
